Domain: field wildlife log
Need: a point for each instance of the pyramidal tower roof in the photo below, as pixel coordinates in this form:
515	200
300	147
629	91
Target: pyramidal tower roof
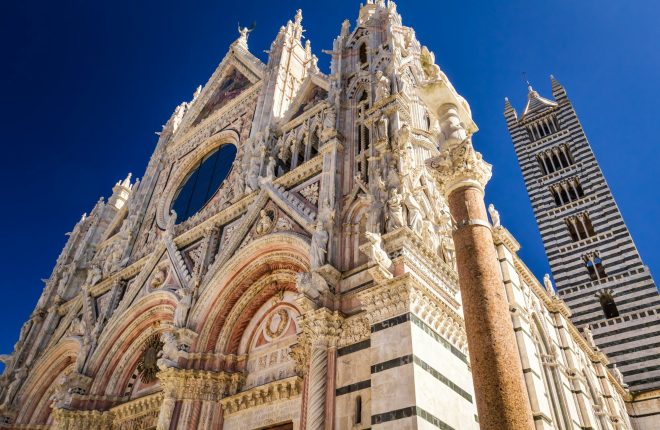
536	103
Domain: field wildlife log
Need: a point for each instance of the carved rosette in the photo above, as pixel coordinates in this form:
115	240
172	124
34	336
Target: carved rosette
458	166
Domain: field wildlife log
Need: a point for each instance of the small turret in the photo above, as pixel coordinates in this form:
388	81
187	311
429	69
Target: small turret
120	193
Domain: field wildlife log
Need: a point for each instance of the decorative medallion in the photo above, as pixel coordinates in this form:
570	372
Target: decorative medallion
147	367
276	323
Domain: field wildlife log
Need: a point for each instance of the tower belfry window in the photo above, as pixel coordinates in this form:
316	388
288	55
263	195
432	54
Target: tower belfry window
609	306
580	227
566	191
594	265
554	159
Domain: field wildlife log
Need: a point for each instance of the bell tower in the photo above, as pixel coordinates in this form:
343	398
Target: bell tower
595	264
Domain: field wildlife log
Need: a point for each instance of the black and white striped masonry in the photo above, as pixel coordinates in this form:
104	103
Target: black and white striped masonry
595	264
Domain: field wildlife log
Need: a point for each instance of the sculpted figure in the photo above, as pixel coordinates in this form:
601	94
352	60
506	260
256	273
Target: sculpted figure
84	352
547	283
376	252
329	120
78	327
16	383
311	284
25	329
270	168
381	128
264	224
169	355
618	375
494	215
184	297
448	251
394	211
382	86
94	275
318	246
171	222
589	336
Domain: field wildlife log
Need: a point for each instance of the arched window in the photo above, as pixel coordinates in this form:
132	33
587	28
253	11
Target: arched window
594	266
203	181
358	410
609	306
364	59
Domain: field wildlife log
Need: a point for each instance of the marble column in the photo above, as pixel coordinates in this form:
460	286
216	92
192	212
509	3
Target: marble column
502	400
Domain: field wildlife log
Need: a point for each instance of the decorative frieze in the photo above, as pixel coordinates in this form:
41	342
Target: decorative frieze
272	392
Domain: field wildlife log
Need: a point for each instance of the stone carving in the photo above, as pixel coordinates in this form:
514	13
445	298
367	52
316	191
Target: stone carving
78	327
589	336
168	356
431	70
318	246
311	284
94	275
382	134
184	302
376	252
265	222
494	215
159	277
19	375
311	193
447	250
394	217
547	283
147	365
618	375
281	320
382	86
460	165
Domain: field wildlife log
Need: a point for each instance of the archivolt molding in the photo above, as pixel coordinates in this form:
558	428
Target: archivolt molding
277	250
183	169
113	360
37	387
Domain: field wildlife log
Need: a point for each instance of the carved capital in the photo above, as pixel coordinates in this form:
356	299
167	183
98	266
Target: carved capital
194	384
458	166
320	328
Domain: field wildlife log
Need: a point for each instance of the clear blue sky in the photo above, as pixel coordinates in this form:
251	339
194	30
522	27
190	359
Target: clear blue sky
86	84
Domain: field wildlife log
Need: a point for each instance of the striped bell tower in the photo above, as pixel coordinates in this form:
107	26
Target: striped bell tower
596	267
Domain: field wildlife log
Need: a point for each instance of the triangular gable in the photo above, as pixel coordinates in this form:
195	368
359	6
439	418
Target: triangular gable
312	91
229	88
536	104
237	71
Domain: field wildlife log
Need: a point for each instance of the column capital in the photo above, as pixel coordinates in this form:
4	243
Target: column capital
458	166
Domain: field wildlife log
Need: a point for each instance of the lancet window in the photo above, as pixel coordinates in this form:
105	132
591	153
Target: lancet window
543	127
363	140
566	191
554	159
594	265
580	227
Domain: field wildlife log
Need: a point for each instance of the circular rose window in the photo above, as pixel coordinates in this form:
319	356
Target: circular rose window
203	182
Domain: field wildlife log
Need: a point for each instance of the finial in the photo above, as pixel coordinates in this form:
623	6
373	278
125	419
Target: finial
245	31
529	85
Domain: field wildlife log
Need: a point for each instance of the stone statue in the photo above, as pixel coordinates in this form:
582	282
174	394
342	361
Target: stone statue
94	275
447	251
311	284
494	215
12	389
381	128
184	302
589	336
382	86
243	32
376	252
87	343
171	222
394	211
618	375
329	121
169	355
264	224
78	327
318	246
547	283
270	168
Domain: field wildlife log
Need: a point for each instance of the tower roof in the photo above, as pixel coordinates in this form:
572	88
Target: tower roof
536	103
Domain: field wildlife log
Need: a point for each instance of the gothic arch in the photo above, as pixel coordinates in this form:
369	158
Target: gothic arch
43	377
254	275
550	375
181	170
355	224
119	348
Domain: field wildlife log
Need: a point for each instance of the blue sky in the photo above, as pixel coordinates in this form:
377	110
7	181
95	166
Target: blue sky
86	84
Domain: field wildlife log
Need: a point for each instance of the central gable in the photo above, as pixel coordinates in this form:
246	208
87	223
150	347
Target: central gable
230	87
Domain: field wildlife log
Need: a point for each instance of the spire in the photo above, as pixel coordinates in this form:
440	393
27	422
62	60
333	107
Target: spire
558	90
536	103
509	112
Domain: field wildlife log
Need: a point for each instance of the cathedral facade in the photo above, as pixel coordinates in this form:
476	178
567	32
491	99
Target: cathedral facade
308	251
